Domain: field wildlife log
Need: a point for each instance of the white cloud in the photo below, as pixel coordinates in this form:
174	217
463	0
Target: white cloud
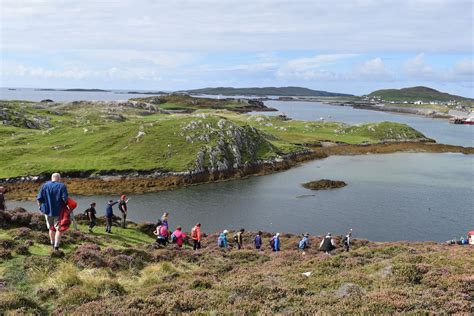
417	67
246	25
311	68
75	73
372	69
464	68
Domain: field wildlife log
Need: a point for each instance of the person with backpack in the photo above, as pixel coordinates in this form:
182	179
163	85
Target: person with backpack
91	216
275	242
164	219
124	209
327	244
304	242
347	240
238	238
196	236
161	233
109	216
177	237
222	239
52	198
258	241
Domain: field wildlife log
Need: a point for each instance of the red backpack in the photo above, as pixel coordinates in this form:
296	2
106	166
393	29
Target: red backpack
65	215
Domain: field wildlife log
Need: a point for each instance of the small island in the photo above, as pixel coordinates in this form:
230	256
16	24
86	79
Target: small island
324	184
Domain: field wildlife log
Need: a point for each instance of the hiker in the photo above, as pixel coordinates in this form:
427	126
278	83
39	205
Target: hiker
238	238
275	242
124	209
178	236
258	241
161	233
51	198
304	242
164	219
109	216
2	199
222	240
196	236
347	240
91	216
327	244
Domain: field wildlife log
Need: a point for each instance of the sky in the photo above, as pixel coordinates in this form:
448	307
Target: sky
355	46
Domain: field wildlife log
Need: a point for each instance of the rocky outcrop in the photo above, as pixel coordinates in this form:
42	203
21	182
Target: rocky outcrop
12	117
324	184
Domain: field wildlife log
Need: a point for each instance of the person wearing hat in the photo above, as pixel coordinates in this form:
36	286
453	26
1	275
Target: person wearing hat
327	244
275	242
123	208
304	242
222	240
2	199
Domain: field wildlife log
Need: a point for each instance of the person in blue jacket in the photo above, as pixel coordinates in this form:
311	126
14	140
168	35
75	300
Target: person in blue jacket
222	240
304	242
51	198
275	242
109	215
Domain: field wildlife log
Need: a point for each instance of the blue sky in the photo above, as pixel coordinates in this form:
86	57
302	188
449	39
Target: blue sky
343	46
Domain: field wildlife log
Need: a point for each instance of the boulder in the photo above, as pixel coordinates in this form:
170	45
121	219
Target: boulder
349	289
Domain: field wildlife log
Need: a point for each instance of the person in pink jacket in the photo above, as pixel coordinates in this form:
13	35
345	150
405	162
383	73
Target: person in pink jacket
178	236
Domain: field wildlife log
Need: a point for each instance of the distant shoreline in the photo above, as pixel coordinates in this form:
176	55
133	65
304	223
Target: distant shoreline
74	90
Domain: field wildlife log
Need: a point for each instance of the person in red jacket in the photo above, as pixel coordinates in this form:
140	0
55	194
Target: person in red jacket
177	237
161	233
196	236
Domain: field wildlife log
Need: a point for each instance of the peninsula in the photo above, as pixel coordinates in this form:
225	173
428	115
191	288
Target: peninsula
174	141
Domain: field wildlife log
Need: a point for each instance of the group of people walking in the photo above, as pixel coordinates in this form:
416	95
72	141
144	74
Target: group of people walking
327	243
57	207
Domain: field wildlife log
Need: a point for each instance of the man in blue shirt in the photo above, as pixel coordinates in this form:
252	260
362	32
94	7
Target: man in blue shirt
52	197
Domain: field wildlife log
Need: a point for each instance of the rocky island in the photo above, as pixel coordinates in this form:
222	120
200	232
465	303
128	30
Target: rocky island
324	184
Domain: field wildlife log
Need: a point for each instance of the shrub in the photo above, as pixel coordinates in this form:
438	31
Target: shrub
75	296
12	301
407	273
200	284
89	256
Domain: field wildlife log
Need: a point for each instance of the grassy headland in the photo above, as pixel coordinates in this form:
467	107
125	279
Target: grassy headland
124	273
104	136
266	91
415	94
97	144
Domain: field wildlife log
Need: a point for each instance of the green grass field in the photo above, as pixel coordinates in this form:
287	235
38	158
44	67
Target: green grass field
104	136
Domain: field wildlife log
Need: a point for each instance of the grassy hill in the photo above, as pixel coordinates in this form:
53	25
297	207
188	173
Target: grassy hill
416	94
266	91
125	273
96	136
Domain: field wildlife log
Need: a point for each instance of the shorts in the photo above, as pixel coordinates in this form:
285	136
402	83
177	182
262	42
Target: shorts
52	221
